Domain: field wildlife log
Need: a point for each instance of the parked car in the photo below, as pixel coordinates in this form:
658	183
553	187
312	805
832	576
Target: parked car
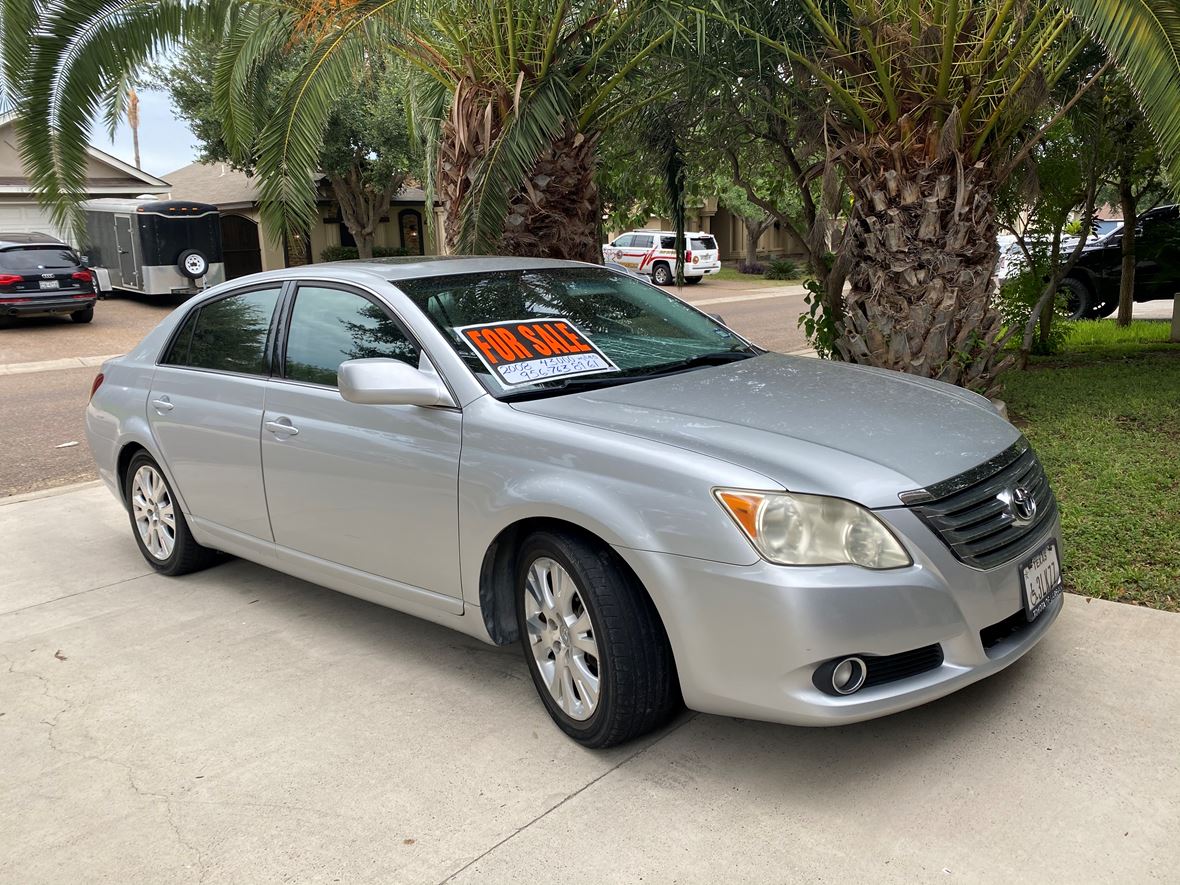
41	275
1092	286
566	457
653	253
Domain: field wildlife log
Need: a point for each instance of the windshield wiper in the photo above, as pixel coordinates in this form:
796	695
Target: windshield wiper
718	358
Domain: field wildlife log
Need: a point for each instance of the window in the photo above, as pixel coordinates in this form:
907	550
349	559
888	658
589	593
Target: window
668	242
34	258
227	335
702	244
330	326
624	241
643	241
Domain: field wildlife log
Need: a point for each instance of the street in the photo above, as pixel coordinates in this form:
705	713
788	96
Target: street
239	725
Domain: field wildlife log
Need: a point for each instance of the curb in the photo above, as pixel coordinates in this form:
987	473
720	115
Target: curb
50	493
71	362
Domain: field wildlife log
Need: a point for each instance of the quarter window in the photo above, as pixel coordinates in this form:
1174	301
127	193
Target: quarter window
330	326
227	335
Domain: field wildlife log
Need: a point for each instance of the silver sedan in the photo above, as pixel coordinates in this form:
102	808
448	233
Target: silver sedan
566	457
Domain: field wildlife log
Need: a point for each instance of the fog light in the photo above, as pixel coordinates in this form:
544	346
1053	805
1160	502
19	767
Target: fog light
849	675
841	676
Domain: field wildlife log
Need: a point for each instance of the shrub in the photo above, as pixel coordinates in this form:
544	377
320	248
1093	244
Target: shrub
348	253
1016	298
782	269
751	267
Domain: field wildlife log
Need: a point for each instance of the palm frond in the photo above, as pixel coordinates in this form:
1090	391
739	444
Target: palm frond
1143	37
76	51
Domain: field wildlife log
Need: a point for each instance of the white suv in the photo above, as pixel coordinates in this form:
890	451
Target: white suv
653	253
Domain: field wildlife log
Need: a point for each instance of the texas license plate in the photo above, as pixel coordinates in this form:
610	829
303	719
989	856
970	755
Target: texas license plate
1040	580
50	284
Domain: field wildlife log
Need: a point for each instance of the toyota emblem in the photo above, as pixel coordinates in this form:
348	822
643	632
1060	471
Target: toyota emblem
1024	505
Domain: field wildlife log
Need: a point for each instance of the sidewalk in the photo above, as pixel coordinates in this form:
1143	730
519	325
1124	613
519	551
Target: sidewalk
241	726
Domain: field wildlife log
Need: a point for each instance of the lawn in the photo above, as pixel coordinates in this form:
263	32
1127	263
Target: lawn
733	275
1105	418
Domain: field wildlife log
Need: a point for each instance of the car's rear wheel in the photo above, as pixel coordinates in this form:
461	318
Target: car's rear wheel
692	281
595	646
661	274
83	316
157	522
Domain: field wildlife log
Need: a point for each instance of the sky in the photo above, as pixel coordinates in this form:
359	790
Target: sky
165	143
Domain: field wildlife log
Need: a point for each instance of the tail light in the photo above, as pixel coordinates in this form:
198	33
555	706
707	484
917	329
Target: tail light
8	279
98	379
687	256
83	276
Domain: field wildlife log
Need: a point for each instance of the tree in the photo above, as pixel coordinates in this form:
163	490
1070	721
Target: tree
366	152
926	105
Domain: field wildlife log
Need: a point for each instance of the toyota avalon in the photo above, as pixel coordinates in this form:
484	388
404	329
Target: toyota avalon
569	458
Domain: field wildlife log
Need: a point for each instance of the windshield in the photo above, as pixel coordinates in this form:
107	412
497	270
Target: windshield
535	332
28	258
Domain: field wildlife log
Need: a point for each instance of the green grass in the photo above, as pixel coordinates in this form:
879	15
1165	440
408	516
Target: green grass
731	274
1104	417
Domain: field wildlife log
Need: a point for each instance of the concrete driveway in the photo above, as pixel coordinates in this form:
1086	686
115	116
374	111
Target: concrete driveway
241	726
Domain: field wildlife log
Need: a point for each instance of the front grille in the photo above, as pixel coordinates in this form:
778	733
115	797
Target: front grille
971	518
880	669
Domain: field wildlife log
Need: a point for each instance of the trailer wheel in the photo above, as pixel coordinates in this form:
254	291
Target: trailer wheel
193	264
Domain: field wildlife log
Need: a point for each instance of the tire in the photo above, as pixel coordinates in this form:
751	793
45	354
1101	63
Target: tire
637	689
192	263
185	554
83	316
692	281
1079	299
661	274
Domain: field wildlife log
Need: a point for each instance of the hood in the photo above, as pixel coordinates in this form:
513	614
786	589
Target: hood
811	425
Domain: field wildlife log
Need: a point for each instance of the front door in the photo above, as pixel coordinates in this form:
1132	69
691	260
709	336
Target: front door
205	410
128	253
1157	256
372	488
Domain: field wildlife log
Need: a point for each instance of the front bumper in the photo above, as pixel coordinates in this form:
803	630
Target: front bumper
64	303
747	639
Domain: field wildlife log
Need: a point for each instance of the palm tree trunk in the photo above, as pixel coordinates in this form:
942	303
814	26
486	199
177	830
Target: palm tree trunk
922	250
557	213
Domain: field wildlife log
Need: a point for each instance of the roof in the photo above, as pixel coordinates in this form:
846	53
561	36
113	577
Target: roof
131	179
226	187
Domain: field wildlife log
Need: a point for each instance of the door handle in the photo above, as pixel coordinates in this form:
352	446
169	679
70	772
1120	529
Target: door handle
283	425
163	404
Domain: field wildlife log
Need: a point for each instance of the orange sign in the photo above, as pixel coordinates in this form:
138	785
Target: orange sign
528	351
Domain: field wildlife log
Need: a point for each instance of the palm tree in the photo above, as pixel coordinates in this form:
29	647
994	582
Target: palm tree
927	106
512	97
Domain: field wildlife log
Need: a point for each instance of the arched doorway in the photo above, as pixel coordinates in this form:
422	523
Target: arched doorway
410	223
239	244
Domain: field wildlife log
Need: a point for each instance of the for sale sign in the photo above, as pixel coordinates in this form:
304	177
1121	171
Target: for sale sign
528	351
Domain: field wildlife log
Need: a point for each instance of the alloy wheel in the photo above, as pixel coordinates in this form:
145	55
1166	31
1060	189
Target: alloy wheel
561	637
152	507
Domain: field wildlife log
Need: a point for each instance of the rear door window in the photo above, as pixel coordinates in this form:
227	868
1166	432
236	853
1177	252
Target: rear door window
30	259
227	335
329	326
643	241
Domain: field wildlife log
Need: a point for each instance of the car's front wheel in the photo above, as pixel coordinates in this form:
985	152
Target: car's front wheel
1079	299
157	522
594	643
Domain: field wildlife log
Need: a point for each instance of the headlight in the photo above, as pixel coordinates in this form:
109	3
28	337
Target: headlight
792	529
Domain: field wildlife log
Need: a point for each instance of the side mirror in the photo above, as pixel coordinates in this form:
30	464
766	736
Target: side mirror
384	382
718	317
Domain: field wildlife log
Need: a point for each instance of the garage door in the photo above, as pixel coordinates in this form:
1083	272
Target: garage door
26	218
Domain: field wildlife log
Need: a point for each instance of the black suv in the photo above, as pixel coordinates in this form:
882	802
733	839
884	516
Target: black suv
40	275
1092	287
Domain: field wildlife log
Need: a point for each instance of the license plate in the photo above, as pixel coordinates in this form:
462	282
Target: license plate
1040	580
50	284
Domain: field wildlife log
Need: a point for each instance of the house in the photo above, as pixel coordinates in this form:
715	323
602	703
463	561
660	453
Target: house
106	176
248	248
730	232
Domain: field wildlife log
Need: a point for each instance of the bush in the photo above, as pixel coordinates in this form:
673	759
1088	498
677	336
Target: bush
782	269
349	253
751	267
1017	297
